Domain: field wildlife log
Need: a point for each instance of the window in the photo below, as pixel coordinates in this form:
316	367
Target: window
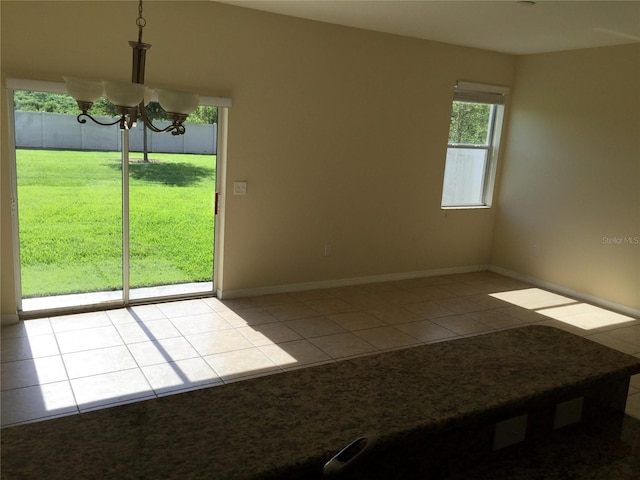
474	137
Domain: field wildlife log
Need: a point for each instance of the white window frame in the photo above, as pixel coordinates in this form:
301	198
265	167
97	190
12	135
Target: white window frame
494	96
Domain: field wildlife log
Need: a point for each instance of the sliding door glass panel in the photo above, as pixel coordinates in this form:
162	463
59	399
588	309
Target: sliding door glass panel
69	202
171	207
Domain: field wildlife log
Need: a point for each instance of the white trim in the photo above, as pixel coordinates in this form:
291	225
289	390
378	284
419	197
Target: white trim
481	87
60	87
35	85
345	282
609	305
13	182
222	102
126	215
492	167
220	218
467	207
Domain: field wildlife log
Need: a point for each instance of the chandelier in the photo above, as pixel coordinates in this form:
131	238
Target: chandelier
130	98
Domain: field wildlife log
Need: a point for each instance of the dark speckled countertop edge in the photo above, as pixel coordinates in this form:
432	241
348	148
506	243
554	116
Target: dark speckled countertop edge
272	426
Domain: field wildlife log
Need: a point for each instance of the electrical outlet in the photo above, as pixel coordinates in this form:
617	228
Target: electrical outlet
568	413
509	432
534	250
327	250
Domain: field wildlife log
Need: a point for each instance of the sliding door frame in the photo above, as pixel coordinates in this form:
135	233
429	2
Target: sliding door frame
223	104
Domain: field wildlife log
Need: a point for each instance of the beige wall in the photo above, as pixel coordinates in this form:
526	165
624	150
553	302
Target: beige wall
571	173
341	133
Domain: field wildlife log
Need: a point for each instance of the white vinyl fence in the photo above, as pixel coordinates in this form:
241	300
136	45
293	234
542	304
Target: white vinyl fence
58	131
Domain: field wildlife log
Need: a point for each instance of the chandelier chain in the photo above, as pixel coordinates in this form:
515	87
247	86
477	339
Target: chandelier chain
123	94
140	21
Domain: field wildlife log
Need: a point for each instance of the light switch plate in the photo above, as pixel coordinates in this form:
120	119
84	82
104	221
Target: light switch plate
240	188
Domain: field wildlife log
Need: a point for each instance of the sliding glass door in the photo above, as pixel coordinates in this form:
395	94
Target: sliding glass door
171	209
70	223
104	216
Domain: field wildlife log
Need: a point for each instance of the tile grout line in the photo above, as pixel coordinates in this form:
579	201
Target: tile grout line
66	370
292	301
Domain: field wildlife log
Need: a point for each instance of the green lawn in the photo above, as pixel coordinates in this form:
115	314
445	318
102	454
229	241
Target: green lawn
70	220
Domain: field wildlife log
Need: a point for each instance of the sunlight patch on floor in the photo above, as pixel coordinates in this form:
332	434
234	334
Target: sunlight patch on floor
533	298
585	316
563	309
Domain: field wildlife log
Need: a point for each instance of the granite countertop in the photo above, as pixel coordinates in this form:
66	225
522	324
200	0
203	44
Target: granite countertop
271	426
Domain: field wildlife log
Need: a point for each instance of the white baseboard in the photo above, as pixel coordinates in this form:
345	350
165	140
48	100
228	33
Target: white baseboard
9	319
609	305
345	282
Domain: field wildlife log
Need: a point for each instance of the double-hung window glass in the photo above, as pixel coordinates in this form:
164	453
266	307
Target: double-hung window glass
474	137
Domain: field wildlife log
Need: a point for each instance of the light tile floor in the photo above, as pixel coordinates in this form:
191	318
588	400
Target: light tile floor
75	363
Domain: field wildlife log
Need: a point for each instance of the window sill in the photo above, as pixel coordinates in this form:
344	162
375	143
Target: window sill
467	207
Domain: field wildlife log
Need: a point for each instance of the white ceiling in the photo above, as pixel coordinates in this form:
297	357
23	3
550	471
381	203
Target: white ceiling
503	26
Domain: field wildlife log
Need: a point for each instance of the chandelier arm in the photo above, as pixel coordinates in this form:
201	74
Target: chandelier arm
176	128
83	120
147	121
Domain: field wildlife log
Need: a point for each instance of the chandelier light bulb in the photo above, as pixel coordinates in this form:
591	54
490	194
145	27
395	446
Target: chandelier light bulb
178	102
124	94
84	90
